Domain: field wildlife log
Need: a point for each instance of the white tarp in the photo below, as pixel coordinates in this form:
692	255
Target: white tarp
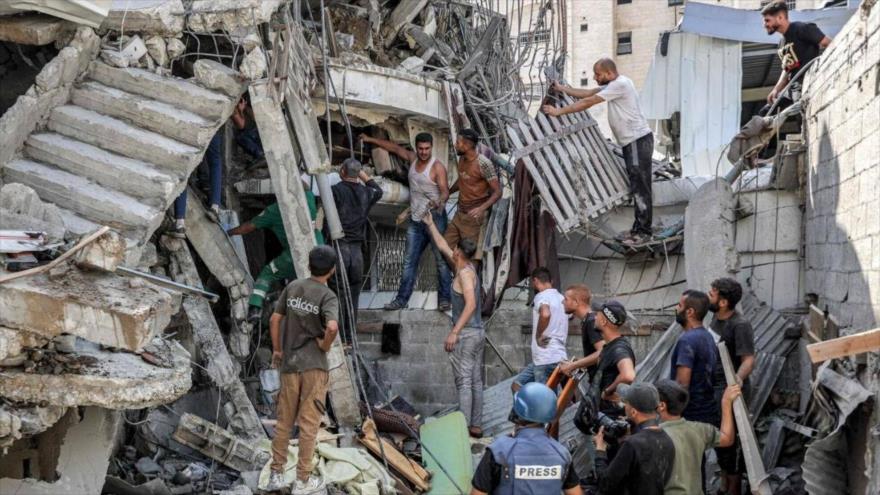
701	78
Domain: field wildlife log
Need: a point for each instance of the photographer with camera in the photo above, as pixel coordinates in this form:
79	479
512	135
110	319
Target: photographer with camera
529	461
644	461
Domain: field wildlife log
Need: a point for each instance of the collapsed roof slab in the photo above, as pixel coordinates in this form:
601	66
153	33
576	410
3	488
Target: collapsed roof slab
364	86
105	309
116	380
31	29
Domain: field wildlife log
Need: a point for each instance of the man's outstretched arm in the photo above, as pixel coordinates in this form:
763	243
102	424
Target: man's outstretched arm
391	147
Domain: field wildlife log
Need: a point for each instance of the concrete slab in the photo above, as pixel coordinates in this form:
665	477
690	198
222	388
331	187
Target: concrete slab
80	195
179	92
164	17
214	75
137	178
120	137
214	247
83	458
164	118
31	29
116	380
102	308
709	234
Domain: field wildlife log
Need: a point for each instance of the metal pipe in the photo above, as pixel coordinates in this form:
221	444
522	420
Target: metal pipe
330	213
169	283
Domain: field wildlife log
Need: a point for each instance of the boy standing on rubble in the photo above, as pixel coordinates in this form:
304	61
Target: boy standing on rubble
308	310
630	129
549	331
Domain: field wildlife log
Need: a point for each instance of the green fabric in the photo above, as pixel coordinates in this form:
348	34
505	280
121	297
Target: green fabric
691	440
277	270
447	439
270	218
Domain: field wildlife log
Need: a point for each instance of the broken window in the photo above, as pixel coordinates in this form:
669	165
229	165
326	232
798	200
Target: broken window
624	43
533	37
584	27
585	81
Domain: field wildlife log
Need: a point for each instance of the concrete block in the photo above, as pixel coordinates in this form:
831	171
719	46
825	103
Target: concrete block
105	253
61	70
164	18
214	75
120	137
80	195
253	65
177	92
214	247
136	178
23	204
709	245
31	29
163	118
97	307
115	380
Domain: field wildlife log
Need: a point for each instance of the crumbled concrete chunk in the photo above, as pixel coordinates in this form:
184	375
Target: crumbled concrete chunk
157	49
214	75
174	48
105	253
413	65
253	66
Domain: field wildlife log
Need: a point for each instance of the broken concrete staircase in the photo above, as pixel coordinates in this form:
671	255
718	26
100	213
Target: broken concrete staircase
121	150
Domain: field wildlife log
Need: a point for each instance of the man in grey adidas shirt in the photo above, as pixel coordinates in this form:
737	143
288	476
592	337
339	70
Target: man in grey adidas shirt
630	129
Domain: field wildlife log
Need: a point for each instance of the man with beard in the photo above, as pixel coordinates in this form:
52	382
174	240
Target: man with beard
630	129
478	189
801	42
694	358
737	334
429	190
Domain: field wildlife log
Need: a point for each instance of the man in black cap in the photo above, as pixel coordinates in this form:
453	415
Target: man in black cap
644	461
617	362
478	189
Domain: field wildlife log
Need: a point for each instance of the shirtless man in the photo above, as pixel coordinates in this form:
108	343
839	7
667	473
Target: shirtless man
429	190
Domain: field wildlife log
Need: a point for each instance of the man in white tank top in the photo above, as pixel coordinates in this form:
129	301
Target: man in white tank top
429	190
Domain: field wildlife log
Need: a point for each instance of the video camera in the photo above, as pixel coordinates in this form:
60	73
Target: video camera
589	418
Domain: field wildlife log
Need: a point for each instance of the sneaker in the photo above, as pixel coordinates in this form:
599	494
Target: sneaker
276	482
394	306
213	213
178	231
444	306
311	485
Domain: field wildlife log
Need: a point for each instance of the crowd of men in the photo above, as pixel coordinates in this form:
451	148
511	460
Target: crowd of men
649	438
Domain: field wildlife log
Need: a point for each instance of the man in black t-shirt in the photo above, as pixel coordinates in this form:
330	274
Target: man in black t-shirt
577	302
617	361
801	43
739	337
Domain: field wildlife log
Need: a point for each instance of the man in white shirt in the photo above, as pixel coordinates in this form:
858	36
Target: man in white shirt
549	331
630	129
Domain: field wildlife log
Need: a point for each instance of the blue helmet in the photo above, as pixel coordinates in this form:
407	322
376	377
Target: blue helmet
535	402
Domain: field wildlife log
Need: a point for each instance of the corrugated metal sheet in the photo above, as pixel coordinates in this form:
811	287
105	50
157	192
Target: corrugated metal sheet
577	174
763	377
700	77
747	25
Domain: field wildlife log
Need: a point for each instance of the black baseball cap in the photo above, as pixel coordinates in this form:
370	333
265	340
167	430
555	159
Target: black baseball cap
641	396
614	312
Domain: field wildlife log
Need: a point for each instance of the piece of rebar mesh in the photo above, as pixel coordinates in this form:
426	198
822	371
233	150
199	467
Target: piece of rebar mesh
393	421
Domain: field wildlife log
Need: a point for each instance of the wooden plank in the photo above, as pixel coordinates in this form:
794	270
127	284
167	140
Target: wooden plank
549	200
409	469
558	135
550	165
582	188
850	345
589	170
754	465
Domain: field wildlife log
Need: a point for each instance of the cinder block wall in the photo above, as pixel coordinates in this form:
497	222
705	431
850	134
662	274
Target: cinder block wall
842	227
422	374
842	218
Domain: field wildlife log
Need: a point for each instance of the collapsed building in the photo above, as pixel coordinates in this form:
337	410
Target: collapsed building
129	363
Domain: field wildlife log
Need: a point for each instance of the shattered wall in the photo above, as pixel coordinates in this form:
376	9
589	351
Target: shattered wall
842	226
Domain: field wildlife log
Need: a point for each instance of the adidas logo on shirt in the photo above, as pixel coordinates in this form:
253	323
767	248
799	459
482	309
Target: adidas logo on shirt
298	304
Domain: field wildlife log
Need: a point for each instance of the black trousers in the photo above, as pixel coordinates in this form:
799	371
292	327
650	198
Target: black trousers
637	157
353	260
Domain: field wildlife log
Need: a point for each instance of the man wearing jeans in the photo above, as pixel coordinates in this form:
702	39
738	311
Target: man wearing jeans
630	129
213	158
465	340
549	331
428	190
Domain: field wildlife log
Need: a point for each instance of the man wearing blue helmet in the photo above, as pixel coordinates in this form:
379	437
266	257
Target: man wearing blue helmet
528	462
